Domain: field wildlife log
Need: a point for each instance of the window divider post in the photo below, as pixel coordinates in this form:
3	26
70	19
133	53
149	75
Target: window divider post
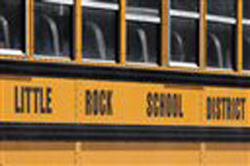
203	35
122	53
29	30
165	33
77	31
239	52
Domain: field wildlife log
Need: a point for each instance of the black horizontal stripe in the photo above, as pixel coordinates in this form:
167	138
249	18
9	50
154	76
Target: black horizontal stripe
64	70
74	132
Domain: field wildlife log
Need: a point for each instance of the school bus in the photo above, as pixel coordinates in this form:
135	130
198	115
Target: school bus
124	82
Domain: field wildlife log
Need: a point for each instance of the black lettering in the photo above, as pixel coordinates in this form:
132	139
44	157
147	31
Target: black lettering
209	108
88	105
219	108
95	102
99	102
49	100
164	105
27	91
243	101
18	102
36	101
150	109
109	103
24	102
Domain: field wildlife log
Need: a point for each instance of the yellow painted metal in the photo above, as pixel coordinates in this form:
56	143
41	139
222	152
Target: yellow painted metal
143	154
37	153
219	154
78	31
165	33
31	30
130	103
123	153
60	99
31	33
203	35
222	105
239	59
122	32
29	18
104	102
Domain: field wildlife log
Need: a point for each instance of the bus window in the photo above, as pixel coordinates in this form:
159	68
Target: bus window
143	31
100	29
246	34
12	26
184	39
221	32
53	28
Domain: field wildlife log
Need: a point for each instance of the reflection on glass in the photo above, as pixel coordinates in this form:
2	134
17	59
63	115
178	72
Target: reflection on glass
143	42
99	34
186	5
12	24
222	7
144	8
53	28
184	40
220	45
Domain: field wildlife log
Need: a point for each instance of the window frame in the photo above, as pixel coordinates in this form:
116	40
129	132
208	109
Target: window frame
194	15
244	22
224	20
155	20
106	7
53	57
9	52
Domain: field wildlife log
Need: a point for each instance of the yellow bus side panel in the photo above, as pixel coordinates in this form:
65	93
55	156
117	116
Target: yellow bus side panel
123	153
221	154
227	104
38	153
121	103
143	154
50	100
131	103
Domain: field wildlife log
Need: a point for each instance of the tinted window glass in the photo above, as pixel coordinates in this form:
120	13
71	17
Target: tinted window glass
153	4
187	5
222	7
99	34
53	28
143	39
221	34
100	30
143	31
220	45
12	24
184	40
